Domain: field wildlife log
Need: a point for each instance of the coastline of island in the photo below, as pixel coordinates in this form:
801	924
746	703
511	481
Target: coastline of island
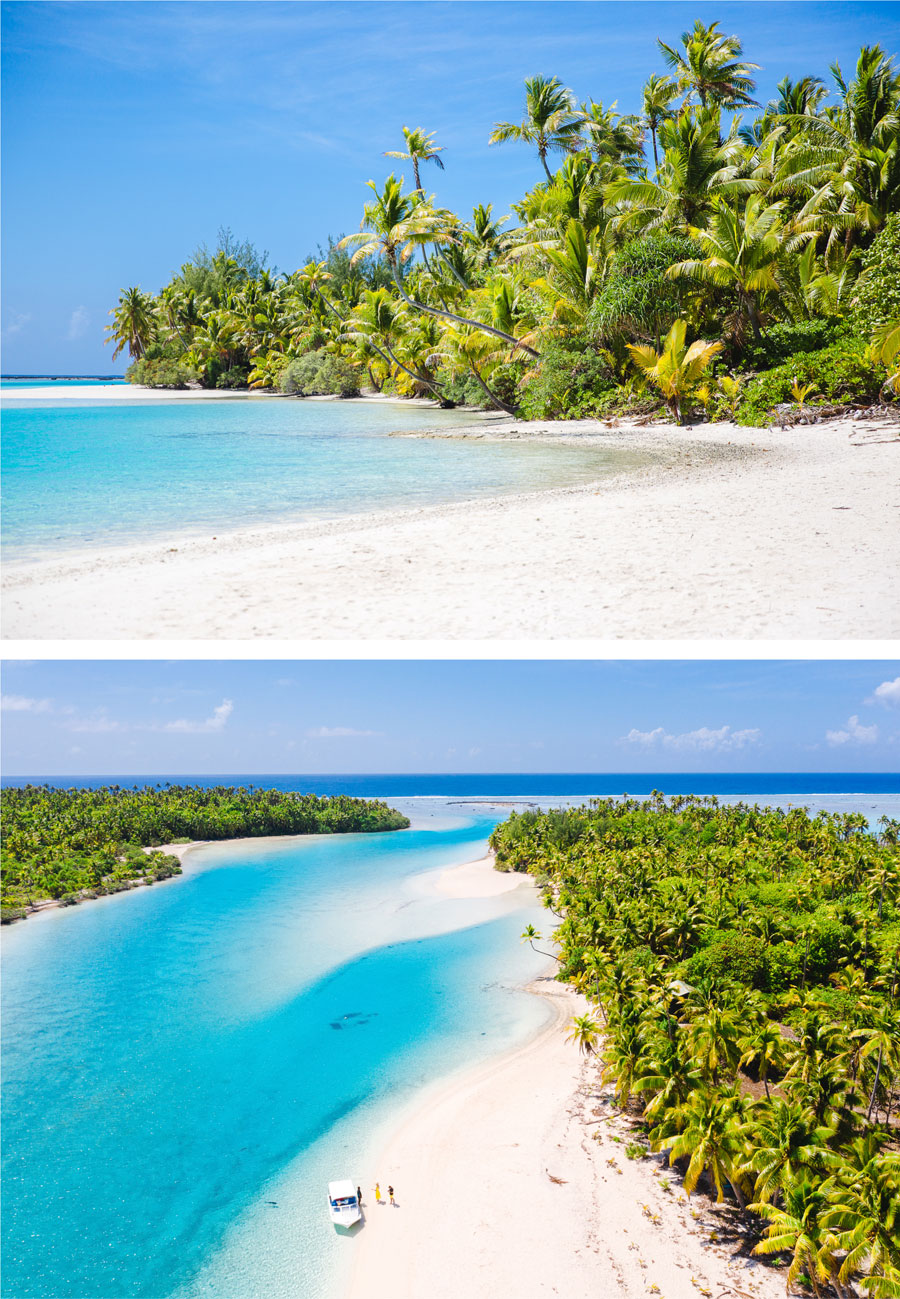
728	536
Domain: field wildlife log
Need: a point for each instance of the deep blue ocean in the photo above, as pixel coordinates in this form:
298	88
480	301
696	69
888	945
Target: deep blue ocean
78	476
186	1066
514	785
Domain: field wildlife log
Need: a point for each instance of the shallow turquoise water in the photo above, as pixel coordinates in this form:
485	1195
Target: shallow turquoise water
186	1066
79	475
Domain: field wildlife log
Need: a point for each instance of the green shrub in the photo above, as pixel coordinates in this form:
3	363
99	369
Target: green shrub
319	374
9	914
784	964
741	957
782	342
161	372
843	372
638	298
573	381
235	377
877	297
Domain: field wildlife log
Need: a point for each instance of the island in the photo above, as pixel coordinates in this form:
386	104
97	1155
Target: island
64	846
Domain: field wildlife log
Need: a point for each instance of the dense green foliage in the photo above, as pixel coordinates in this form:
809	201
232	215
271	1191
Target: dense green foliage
843	372
745	965
744	223
58	843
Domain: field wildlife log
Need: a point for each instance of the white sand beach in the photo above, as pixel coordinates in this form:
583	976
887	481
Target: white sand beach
747	533
513	1180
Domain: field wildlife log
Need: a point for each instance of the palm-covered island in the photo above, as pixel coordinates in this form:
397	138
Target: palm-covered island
73	844
743	966
709	257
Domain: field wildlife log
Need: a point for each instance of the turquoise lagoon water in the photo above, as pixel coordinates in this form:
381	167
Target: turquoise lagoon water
185	1067
78	475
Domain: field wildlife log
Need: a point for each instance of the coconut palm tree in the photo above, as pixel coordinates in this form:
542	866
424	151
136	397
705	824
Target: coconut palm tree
697	167
656	106
864	1214
797	1225
743	247
677	370
378	325
551	123
711	1138
585	1033
134	324
709	65
394	224
420	147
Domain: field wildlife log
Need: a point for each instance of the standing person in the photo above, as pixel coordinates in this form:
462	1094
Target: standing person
377	1192
359	1196
391	1194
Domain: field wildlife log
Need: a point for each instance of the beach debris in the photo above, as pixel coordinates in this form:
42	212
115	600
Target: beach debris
560	1181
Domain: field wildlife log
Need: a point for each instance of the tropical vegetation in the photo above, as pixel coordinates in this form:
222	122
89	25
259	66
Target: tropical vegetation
742	966
71	844
734	221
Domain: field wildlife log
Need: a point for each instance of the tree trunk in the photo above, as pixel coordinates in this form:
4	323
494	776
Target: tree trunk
874	1086
542	151
459	320
419	378
372	380
655	154
501	405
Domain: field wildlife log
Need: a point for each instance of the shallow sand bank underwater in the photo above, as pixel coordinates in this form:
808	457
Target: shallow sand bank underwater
747	533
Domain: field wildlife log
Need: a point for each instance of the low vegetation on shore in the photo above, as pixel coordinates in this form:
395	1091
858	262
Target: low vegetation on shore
708	256
72	844
745	968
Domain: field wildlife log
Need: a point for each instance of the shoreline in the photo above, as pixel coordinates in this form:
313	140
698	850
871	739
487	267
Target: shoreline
729	538
514	1173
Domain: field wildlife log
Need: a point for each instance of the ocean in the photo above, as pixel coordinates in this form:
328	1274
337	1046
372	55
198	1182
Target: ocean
186	1066
79	476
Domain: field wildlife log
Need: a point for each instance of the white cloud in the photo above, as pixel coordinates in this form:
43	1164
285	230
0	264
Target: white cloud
216	722
336	732
703	739
852	734
15	322
22	704
78	324
888	693
99	724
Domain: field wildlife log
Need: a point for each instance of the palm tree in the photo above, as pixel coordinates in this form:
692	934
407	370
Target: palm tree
551	122
134	324
798	1226
476	353
529	934
764	1046
696	168
864	1213
585	1033
676	370
377	325
397	223
419	148
743	248
710	66
785	1141
847	160
711	1138
656	106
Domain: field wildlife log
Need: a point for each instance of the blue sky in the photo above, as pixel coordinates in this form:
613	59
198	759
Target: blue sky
204	718
132	131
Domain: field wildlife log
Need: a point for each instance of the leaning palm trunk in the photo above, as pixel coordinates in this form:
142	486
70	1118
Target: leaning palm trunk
492	396
459	320
419	378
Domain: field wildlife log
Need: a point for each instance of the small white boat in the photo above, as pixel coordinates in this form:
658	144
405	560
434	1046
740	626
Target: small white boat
343	1204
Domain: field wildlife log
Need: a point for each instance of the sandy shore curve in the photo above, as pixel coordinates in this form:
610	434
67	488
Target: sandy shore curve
743	534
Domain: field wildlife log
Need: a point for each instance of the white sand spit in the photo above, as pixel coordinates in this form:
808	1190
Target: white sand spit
746	534
502	1189
478	879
